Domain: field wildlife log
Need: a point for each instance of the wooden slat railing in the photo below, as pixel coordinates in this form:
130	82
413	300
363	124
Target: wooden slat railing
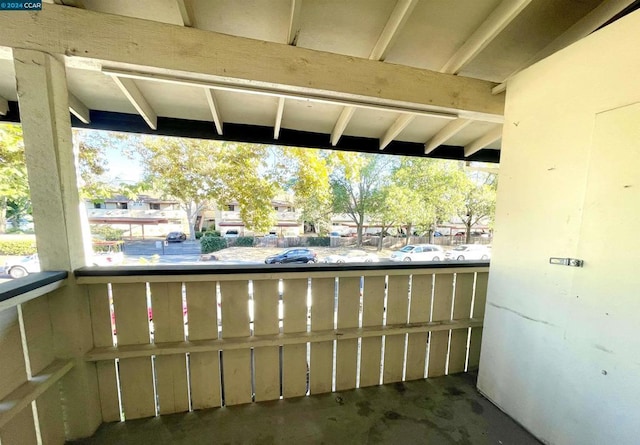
173	339
29	372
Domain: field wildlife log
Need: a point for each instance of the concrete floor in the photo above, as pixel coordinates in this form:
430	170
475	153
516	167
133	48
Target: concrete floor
444	410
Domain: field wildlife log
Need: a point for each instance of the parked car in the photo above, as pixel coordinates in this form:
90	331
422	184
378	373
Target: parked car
352	256
469	252
293	256
418	252
22	267
108	253
176	237
231	234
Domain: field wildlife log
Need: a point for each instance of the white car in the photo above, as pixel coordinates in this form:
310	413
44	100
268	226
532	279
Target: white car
418	252
352	256
469	252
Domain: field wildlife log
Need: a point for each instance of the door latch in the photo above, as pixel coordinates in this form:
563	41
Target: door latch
573	262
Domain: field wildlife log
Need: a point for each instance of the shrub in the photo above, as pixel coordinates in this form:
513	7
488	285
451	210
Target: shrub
244	241
210	244
212	232
17	247
198	234
320	241
107	233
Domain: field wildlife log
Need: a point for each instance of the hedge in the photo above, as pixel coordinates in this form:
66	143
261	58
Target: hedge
17	247
210	244
244	241
320	241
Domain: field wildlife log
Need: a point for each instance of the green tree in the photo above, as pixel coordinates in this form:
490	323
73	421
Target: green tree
308	179
431	189
14	186
356	182
197	173
478	191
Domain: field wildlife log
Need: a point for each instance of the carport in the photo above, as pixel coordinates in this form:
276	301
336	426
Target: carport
555	348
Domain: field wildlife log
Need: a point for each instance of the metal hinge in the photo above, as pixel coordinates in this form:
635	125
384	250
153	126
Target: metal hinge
573	262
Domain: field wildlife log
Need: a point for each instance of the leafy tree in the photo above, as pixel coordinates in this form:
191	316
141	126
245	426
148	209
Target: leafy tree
308	179
478	191
197	172
431	189
356	181
14	186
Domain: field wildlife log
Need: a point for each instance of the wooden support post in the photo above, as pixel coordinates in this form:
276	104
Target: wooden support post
61	225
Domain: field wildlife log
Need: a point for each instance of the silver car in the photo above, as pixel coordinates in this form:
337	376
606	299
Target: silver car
469	252
418	252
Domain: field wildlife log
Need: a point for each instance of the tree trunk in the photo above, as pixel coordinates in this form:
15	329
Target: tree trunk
409	229
3	214
467	224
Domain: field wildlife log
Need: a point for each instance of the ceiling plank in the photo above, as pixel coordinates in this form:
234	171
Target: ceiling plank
341	124
395	129
215	110
488	138
186	12
4	106
131	91
446	133
151	46
579	30
396	21
279	114
78	109
289	95
294	22
486	32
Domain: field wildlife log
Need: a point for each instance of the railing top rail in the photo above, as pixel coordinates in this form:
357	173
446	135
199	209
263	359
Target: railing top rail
32	286
172	273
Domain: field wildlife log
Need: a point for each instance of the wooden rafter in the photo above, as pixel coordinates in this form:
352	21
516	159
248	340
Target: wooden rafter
486	32
131	91
279	114
582	28
78	109
446	133
215	110
395	129
294	22
483	141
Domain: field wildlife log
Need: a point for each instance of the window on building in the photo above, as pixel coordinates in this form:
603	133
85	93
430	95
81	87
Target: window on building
122	205
230	208
98	205
154	206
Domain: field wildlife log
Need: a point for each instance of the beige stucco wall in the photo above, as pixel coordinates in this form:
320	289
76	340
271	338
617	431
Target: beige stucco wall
561	346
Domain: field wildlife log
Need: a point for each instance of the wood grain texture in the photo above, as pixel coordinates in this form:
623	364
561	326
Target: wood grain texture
12	371
474	348
347	350
37	329
397	312
50	417
322	313
171	371
461	309
236	365
372	313
21	430
441	310
132	327
294	357
204	367
480	297
421	290
267	358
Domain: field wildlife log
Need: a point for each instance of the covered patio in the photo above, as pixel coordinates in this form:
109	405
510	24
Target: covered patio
231	349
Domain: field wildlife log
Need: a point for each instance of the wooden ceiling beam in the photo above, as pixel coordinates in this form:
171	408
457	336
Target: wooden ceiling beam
294	22
396	21
486	32
153	46
279	114
483	141
446	133
395	129
137	99
579	30
78	109
214	108
186	12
